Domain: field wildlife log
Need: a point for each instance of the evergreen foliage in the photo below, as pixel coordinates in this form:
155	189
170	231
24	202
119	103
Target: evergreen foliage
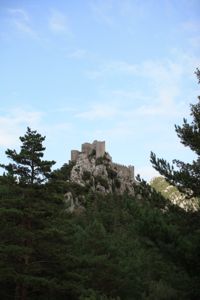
63	173
32	240
118	248
185	176
35	246
28	166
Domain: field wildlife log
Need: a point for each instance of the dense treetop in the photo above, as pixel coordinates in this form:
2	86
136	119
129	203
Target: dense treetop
28	166
185	176
120	247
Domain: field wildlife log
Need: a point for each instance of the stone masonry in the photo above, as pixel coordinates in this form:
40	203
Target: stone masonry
99	148
126	172
87	149
93	170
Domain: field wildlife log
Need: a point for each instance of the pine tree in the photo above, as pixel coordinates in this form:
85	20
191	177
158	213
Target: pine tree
36	253
28	166
36	245
185	176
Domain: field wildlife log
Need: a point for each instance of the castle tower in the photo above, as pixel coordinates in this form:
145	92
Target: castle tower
131	170
74	155
100	149
87	148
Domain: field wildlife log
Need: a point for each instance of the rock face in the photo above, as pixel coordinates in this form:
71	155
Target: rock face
170	192
98	172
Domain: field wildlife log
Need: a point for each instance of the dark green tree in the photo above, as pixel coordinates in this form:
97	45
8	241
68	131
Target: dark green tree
28	166
36	246
185	176
62	173
35	243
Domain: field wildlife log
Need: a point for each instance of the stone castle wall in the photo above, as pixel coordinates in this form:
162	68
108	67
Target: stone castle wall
87	149
127	172
100	149
132	171
74	155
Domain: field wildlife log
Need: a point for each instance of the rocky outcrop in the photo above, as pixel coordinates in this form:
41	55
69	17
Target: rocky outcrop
101	175
170	192
94	171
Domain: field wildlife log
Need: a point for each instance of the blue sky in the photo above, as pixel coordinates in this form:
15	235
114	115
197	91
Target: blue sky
115	70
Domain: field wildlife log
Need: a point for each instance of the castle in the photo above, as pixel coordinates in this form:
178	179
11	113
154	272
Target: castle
87	149
98	147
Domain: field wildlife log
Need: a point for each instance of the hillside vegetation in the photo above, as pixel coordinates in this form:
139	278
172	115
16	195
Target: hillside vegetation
115	247
119	247
174	195
110	246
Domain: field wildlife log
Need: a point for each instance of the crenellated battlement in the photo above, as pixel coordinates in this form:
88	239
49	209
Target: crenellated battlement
93	167
87	148
126	172
98	147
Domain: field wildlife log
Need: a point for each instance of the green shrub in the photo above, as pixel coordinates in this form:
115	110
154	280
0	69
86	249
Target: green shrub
99	161
76	189
117	183
92	154
103	181
77	169
111	173
86	175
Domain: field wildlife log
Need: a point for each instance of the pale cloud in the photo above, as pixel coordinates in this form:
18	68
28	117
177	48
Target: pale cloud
78	54
58	22
23	116
56	131
129	94
191	26
195	42
159	110
161	71
134	9
53	130
99	111
149	110
110	12
65	109
122	130
164	79
22	22
102	11
146	172
158	71
126	106
14	123
111	68
19	13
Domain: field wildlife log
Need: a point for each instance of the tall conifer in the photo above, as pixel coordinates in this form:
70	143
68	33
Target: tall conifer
34	248
185	176
28	165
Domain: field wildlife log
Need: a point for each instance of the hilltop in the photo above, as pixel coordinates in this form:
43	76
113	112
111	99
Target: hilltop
92	170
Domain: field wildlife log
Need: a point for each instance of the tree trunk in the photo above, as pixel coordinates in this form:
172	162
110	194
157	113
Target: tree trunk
20	292
21	289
